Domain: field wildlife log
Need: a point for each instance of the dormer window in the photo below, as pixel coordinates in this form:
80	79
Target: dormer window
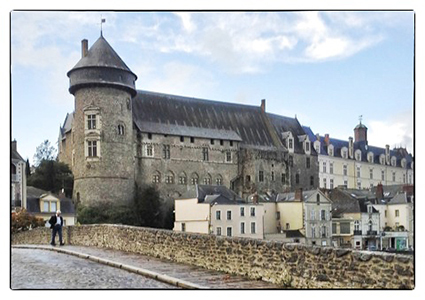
393	161
307	146
403	163
358	155
317	146
331	150
382	159
344	152
290	143
370	157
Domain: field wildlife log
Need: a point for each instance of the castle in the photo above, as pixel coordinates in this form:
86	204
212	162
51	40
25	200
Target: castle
119	137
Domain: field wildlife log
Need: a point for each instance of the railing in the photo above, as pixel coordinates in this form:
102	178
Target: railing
358	232
372	232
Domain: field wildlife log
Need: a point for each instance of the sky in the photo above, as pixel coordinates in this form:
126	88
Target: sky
327	68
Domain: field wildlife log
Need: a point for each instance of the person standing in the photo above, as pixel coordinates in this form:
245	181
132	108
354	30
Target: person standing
56	223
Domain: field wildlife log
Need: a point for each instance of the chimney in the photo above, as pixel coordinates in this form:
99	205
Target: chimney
379	191
84	48
318	137
350	147
299	194
263	105
387	154
327	139
14	145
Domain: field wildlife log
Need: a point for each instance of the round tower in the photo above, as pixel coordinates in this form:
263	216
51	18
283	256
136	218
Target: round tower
103	160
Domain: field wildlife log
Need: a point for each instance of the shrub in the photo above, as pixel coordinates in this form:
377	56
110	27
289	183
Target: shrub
22	220
108	213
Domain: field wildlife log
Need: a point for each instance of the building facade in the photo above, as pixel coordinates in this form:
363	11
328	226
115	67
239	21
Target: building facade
119	138
357	165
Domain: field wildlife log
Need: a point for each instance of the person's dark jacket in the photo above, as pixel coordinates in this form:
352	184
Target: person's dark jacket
53	221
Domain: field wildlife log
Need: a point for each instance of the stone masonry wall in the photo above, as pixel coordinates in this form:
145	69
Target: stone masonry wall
290	265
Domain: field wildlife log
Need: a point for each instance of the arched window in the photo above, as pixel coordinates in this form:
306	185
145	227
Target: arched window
194	179
156	177
182	178
219	180
207	179
169	178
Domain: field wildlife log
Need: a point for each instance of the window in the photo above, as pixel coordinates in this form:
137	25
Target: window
252	211
253	228
156	178
169	178
229	215
290	143
218	215
344	228
149	136
318	199
272	175
331	150
120	129
278	215
287	226
313	232
370	157
331	168
324	167
344	170
324	182
312	214
307	146
307	162
248	178
92	148
344	153
333	228
46	206
282	178
91	122
358	171
229	231
311	180
207	180
385	213
212	142
242	211
149	150
228	156
194	179
166	151
357	225
359	185
291	161
182	139
192	139
297	178
393	176
218	230
221	142
231	143
182	179
219	180
382	175
371	173
205	153
183	227
242	227
397	213
324	230
261	176
53	206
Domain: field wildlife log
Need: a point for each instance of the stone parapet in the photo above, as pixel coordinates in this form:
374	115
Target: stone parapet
289	265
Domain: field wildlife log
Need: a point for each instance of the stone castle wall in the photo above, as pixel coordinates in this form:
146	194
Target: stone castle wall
290	265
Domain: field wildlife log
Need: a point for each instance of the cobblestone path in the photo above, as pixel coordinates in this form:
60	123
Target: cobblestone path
40	269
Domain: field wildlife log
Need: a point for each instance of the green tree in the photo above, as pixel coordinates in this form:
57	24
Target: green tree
44	151
52	176
27	168
147	207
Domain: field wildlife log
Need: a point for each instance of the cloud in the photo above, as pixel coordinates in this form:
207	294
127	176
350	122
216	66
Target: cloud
396	131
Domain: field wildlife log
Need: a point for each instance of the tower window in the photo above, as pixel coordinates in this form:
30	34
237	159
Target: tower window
91	122
92	148
166	151
120	129
192	139
205	153
228	156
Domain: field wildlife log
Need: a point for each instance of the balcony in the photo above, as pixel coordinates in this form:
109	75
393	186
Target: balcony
372	232
357	232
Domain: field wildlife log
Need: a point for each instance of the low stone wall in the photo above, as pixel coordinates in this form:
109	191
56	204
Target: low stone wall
290	265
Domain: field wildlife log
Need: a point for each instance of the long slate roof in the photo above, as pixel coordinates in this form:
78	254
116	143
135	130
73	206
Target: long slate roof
171	114
338	144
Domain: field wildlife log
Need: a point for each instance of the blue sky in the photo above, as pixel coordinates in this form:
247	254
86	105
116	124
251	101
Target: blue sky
327	68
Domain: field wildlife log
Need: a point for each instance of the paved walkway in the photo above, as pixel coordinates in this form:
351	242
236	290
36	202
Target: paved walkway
177	274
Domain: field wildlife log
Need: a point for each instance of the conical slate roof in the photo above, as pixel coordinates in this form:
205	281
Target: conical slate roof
101	54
